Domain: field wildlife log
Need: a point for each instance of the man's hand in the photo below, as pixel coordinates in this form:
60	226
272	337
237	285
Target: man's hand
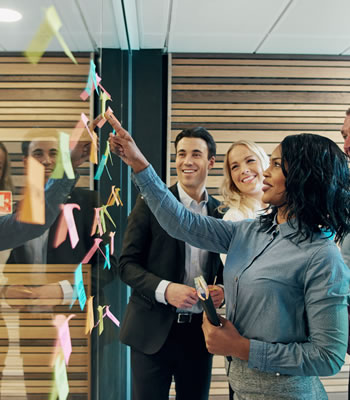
181	296
217	294
225	340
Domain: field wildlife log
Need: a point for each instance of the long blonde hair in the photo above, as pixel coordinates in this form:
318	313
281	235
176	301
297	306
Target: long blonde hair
5	179
232	197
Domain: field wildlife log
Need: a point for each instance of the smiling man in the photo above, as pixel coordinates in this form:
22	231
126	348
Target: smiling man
163	319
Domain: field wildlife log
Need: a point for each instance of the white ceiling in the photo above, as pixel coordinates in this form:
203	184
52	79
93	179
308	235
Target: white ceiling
234	26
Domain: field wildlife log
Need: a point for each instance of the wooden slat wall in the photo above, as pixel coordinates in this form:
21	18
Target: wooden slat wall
28	336
44	97
259	98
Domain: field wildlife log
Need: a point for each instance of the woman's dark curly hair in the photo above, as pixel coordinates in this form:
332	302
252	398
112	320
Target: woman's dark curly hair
317	187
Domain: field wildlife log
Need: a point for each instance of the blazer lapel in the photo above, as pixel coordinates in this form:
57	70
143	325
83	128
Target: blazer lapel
180	243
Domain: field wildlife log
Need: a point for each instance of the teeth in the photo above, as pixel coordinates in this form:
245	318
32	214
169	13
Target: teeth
188	170
249	178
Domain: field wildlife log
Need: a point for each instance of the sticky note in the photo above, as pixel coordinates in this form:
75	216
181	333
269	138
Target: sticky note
62	324
100	168
32	207
48	29
79	284
100	319
92	251
111	316
89	324
5	202
91	82
107	261
61	378
72	229
63	160
111	234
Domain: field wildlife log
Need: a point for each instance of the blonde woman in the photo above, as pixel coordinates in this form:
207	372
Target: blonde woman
242	185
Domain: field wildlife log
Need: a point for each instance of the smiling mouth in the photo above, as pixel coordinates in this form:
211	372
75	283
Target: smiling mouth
248	179
188	171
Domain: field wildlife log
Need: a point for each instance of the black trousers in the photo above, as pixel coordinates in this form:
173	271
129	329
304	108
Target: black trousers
183	356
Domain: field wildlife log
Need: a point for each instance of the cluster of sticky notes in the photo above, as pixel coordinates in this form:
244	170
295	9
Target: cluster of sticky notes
90	325
49	28
5	202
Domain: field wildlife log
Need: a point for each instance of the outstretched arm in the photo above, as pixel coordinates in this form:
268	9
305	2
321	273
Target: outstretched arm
14	233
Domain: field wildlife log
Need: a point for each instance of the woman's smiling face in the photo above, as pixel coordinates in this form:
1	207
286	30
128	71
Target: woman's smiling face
246	171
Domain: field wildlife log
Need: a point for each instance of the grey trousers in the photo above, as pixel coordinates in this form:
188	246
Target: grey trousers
249	384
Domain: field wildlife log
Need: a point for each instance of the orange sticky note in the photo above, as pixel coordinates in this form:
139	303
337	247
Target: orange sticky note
89	325
5	202
32	208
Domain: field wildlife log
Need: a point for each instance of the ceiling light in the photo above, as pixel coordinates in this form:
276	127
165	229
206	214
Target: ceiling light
7	15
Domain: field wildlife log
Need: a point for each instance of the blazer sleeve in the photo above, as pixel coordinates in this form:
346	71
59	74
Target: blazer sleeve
133	262
14	233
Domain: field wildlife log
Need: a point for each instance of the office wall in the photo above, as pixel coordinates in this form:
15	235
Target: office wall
42	97
259	98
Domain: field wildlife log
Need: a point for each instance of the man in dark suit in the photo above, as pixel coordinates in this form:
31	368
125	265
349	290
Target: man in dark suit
162	324
41	249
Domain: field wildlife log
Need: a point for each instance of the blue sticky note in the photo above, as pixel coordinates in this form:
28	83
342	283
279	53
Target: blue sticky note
107	261
79	284
100	168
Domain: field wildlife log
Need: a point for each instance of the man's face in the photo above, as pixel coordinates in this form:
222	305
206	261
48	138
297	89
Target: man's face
345	131
192	164
45	152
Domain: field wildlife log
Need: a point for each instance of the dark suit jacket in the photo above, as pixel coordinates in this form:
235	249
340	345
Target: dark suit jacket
64	254
148	256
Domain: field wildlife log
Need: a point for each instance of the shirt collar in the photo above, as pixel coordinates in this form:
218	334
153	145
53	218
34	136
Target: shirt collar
285	229
187	200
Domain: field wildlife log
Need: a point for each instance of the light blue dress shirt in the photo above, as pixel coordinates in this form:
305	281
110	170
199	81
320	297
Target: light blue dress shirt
289	299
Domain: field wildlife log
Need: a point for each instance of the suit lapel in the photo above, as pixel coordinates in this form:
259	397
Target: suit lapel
180	243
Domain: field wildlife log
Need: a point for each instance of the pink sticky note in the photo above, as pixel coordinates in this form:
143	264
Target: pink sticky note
77	132
111	316
92	251
84	95
111	234
85	120
72	229
64	335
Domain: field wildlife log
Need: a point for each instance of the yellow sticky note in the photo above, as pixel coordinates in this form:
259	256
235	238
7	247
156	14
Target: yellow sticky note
61	378
100	316
89	325
104	97
32	208
93	151
39	43
48	29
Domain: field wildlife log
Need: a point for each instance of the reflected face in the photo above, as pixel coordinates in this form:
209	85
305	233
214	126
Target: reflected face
45	152
274	183
192	164
345	131
246	171
2	163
